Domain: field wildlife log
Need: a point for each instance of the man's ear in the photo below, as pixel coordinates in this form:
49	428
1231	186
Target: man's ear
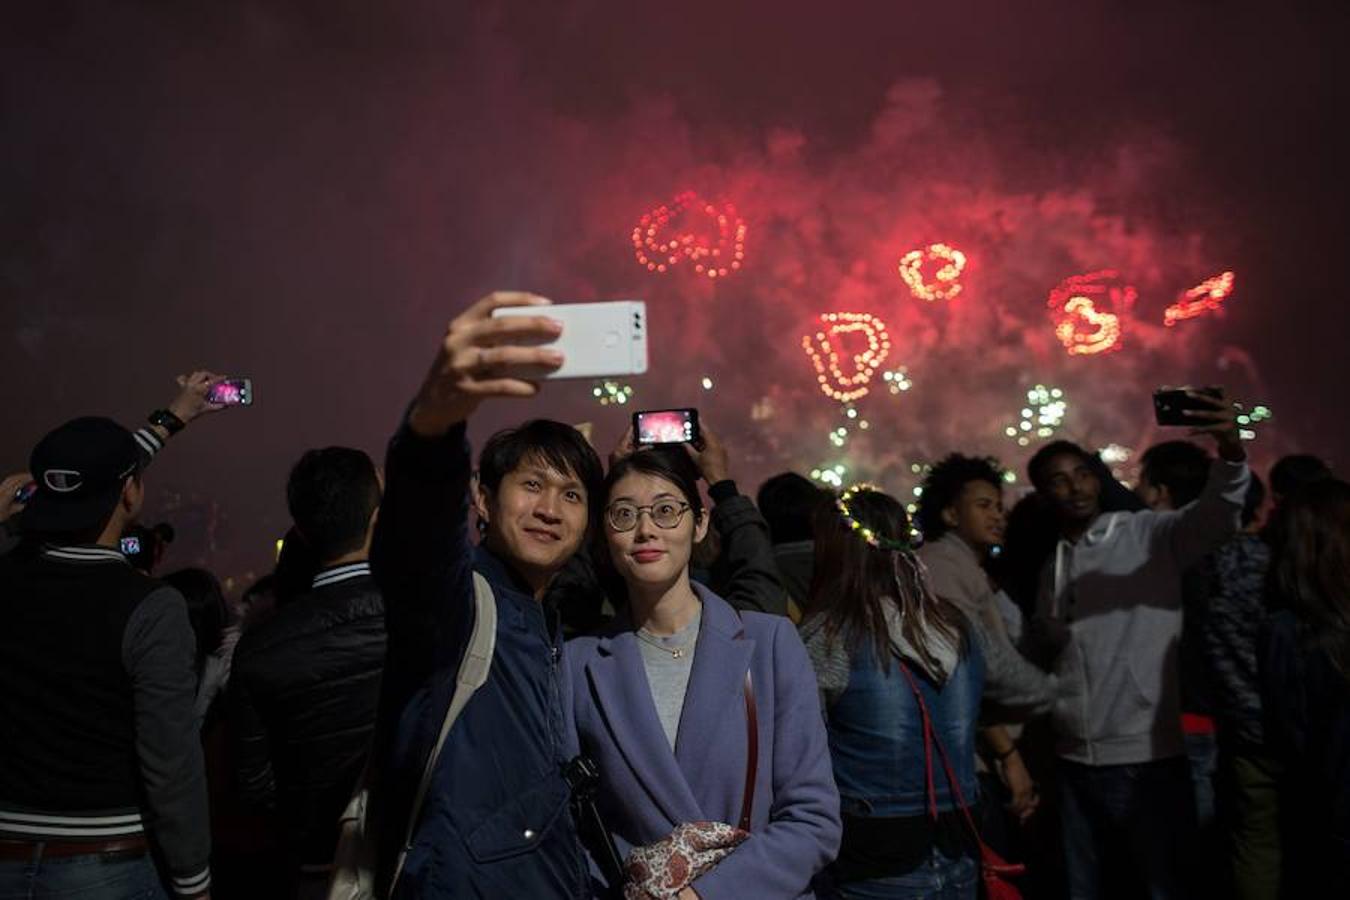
949	517
481	500
133	495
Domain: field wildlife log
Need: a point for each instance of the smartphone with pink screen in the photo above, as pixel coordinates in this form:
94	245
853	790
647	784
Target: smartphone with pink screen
231	392
666	426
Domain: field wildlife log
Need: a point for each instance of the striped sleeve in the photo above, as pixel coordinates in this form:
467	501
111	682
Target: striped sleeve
158	650
149	443
192	885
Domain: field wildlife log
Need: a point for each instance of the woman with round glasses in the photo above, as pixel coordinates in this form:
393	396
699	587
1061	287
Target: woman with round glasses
715	777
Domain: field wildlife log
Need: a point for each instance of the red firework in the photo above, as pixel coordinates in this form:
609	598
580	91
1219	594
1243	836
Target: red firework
824	349
1089	311
1207	295
710	236
944	285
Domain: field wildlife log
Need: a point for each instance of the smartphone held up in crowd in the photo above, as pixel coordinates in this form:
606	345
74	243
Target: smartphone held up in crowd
231	392
1173	406
666	426
598	340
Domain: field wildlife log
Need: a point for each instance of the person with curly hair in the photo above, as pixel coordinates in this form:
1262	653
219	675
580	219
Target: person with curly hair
960	513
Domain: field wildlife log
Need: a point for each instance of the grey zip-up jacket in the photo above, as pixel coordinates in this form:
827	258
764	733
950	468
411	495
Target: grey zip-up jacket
1115	596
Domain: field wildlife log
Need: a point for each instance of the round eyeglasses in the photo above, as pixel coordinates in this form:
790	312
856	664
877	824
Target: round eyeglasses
665	513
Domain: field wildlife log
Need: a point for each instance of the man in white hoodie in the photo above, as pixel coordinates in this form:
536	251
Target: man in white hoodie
1111	600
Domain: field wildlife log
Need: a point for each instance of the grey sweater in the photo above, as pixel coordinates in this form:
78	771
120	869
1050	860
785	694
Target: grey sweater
1114	600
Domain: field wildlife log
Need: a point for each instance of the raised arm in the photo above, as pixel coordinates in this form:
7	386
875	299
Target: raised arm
421	555
187	405
1201	526
746	574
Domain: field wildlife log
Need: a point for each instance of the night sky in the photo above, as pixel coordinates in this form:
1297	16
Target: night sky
305	193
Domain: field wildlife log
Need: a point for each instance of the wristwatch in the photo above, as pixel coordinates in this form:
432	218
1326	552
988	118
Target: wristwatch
167	420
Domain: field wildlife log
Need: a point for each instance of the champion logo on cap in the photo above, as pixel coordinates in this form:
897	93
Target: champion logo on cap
63	481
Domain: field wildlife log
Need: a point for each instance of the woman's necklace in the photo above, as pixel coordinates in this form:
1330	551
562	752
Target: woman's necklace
652	640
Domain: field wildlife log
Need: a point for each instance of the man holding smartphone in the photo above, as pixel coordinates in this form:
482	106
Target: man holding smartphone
495	821
1110	611
102	786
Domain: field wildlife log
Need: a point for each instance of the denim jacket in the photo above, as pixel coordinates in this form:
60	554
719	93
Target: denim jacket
876	730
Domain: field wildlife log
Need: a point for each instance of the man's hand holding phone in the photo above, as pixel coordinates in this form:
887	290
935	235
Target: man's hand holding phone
1210	412
193	399
483	357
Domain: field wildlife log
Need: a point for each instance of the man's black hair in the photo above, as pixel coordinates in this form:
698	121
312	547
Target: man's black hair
555	444
1041	459
1296	470
943	485
788	501
331	495
1179	466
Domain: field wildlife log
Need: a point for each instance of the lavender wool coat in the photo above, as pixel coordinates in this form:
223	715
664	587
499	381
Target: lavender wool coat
646	790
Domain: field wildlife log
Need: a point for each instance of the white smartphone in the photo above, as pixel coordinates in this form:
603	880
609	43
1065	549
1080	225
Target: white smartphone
598	339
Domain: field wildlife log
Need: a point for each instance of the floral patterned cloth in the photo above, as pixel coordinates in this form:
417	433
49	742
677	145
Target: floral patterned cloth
661	870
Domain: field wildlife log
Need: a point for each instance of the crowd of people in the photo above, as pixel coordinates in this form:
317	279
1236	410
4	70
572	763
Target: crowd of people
544	675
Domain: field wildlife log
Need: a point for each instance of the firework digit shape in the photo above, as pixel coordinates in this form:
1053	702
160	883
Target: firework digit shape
1089	311
1208	294
710	236
944	285
823	349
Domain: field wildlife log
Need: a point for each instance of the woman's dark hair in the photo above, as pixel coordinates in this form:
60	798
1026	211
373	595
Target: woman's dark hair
1295	471
206	608
556	444
1310	567
670	462
852	580
788	502
943	485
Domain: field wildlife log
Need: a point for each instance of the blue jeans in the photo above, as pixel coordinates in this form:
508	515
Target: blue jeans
1202	750
1140	817
92	877
939	878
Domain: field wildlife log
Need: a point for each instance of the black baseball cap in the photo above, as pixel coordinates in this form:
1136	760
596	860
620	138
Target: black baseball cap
80	469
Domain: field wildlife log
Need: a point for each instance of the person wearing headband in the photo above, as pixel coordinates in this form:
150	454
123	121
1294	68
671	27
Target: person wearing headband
880	639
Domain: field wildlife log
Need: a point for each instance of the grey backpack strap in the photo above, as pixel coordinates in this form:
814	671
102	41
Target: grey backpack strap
473	671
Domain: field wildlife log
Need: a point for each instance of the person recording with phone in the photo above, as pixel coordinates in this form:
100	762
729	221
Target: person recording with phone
494	802
193	398
102	786
1109	615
